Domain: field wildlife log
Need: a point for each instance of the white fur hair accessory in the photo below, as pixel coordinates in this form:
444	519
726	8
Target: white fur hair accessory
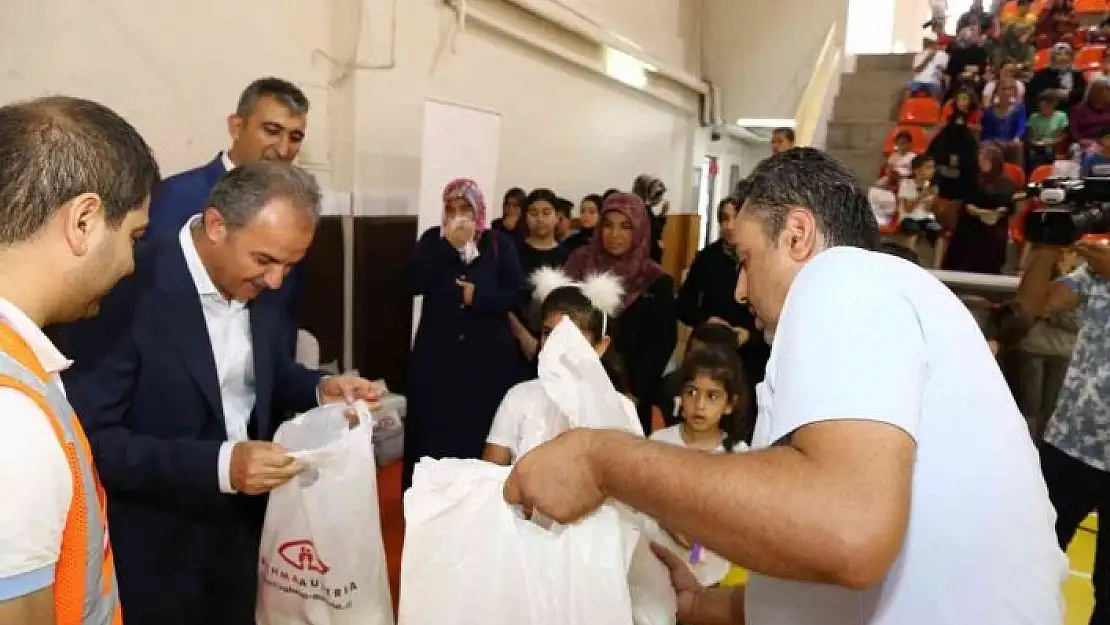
604	290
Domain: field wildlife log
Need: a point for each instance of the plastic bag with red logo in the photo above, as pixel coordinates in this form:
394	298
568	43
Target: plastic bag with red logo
321	561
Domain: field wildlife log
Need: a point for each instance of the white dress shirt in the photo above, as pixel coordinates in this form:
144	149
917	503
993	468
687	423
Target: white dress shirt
229	331
37	481
226	160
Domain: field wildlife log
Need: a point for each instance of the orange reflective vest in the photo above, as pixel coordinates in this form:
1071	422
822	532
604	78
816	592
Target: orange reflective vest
85	576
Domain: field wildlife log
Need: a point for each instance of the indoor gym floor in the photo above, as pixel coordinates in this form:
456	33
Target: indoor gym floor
1077	589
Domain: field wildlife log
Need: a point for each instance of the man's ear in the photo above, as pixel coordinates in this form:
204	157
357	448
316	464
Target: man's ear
235	125
79	219
214	225
800	234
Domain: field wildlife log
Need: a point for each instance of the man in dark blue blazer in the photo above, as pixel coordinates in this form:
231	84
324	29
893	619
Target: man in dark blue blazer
269	123
180	384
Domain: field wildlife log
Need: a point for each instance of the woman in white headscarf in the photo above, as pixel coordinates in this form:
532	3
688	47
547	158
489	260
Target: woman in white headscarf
1060	77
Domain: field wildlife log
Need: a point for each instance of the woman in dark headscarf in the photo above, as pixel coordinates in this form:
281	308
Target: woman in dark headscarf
954	150
979	241
651	190
646	329
1061	77
464	358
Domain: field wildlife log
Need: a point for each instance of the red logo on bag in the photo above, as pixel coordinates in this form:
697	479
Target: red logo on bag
301	555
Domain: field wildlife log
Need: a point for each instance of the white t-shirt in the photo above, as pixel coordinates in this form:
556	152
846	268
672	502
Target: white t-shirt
917	202
673	436
901	164
865	335
932	71
528	418
36	477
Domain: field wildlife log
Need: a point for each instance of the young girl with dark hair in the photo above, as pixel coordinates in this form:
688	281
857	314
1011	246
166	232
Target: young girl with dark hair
528	415
714	394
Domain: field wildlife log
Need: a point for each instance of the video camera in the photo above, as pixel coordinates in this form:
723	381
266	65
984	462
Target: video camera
1071	209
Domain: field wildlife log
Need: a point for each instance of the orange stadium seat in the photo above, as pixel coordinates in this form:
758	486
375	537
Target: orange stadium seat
1040	173
1092	6
919	112
1041	59
919	141
1089	57
1017	223
1009	10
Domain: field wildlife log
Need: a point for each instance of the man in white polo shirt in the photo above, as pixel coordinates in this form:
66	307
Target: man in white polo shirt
892	479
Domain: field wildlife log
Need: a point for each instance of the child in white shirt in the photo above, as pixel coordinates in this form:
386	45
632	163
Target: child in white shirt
916	197
528	415
714	395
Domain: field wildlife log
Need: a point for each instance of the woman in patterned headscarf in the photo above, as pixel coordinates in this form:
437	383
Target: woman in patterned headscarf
464	357
651	190
647	325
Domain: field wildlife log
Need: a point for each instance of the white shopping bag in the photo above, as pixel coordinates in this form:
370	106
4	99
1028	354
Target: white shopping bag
321	560
471	558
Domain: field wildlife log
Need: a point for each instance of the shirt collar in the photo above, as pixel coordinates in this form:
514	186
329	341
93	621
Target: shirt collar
226	160
201	279
52	360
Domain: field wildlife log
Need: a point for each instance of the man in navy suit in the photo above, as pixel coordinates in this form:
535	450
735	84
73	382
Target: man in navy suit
268	124
181	382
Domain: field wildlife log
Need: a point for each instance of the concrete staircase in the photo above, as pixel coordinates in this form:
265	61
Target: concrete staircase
865	111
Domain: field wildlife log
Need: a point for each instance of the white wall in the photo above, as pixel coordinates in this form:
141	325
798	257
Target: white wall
176	69
762	54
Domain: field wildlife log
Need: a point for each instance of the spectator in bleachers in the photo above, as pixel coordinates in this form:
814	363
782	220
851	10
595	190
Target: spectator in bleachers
976	16
782	139
1096	163
899	164
917	198
511	211
1008	73
967	59
1012	52
966	103
1092	117
1061	78
1004	123
979	240
1046	128
954	151
928	69
1100	35
1021	21
588	214
1057	21
1103	70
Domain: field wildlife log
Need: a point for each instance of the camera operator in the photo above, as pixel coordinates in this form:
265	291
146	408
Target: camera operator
1075	452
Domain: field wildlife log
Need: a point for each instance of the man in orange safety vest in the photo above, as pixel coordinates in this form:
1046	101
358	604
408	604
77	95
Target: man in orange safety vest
75	185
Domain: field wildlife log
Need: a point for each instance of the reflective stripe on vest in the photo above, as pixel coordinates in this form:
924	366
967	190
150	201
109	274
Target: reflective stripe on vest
84	578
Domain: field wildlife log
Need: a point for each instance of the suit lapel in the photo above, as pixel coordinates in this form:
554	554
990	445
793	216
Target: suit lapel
189	329
262	321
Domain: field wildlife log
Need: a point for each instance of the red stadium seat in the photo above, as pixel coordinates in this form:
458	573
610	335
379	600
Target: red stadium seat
1040	173
1092	6
1041	59
1015	173
919	112
1090	57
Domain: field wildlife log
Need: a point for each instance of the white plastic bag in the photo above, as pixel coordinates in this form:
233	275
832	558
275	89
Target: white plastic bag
471	558
322	561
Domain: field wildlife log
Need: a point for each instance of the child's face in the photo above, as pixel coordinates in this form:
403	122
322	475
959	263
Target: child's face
902	144
926	172
552	320
1047	109
963	101
542	219
704	402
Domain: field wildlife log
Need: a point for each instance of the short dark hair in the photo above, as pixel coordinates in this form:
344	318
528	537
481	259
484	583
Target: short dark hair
564	207
541	195
919	161
290	96
1048	97
595	198
740	193
55	148
247	189
810	179
786	132
711	334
